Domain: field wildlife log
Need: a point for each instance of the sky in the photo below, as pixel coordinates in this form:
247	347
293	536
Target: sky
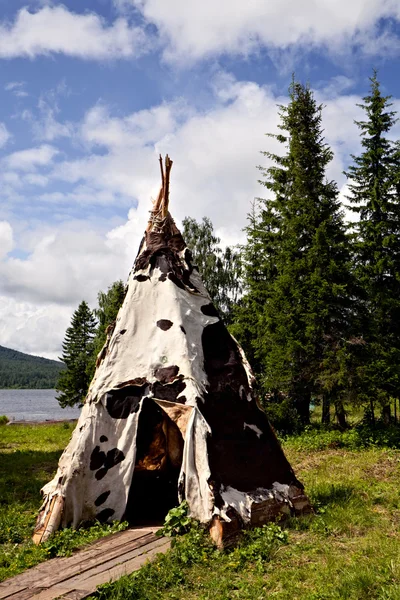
91	91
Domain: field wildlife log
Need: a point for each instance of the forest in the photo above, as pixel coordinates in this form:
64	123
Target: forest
313	296
24	371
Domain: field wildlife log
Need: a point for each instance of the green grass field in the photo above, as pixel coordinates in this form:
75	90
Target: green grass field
349	549
28	459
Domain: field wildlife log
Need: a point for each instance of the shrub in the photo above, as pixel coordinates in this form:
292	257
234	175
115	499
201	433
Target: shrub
177	521
282	415
359	437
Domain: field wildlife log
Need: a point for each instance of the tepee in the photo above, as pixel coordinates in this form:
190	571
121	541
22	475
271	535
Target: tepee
171	412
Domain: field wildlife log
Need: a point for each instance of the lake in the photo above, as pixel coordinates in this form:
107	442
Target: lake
34	405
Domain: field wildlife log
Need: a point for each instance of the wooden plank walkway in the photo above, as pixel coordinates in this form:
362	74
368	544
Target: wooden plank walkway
78	576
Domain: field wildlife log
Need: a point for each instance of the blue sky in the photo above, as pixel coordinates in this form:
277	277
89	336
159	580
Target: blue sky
92	91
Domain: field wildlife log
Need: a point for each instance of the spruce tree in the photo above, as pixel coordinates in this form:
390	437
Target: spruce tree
300	271
77	346
374	185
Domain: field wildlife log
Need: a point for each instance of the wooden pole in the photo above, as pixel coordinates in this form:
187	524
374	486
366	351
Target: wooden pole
168	167
161	204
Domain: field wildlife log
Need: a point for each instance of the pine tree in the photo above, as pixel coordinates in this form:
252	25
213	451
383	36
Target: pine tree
375	196
299	262
77	348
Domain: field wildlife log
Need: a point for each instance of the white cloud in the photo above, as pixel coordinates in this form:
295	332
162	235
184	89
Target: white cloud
31	328
385	44
216	152
11	178
85	195
6	239
28	160
189	30
336	86
16	88
215	155
54	29
47	127
13	85
350	216
138	129
64	267
192	30
5	135
44	121
36	179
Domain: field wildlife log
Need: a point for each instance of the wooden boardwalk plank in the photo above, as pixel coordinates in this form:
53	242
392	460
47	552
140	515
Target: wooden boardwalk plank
57	565
50	593
82	588
75	595
11	590
78	576
80	580
94	560
123	569
25	594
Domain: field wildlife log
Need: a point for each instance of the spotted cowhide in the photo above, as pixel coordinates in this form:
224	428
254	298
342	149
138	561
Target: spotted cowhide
170	345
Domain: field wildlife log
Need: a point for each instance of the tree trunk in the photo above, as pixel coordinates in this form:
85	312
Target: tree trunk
371	406
326	410
302	406
386	414
395	410
340	414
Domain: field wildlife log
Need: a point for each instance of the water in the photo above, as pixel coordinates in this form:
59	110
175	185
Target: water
34	405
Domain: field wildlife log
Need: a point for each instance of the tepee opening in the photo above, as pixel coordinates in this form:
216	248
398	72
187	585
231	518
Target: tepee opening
159	452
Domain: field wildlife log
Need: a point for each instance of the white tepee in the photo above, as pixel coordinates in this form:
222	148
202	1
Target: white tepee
171	413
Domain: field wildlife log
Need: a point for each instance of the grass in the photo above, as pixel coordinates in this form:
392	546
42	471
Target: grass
28	459
350	549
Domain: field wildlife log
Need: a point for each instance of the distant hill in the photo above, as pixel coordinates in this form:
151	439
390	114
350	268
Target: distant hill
24	371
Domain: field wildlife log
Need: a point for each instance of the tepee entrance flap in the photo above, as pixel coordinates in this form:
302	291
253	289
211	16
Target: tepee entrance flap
178	413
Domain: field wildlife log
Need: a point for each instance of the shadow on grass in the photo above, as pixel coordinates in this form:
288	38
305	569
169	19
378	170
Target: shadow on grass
333	506
333	494
23	473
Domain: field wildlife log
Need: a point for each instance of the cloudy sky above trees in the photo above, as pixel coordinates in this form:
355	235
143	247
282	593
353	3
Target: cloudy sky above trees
93	90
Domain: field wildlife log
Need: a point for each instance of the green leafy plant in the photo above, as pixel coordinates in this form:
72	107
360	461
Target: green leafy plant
257	546
177	521
196	553
3	420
